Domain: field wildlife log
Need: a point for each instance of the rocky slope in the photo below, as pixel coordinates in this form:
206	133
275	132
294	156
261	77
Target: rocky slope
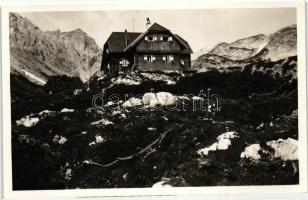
38	55
279	45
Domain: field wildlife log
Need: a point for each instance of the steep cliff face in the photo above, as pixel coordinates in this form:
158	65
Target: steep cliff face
38	55
81	48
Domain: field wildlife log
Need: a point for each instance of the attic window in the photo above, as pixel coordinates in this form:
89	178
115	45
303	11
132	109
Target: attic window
146	38
170	39
164	38
150	38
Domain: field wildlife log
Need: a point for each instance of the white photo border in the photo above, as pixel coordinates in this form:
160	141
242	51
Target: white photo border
302	120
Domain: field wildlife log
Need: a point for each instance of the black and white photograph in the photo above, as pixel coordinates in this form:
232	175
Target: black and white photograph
154	98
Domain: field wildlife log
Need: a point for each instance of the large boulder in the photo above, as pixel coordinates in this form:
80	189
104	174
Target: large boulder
161	98
166	98
150	99
284	149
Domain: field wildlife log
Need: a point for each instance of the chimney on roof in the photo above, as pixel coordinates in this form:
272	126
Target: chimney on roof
148	24
126	38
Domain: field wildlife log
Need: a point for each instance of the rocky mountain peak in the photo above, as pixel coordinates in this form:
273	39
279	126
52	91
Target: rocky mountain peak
44	54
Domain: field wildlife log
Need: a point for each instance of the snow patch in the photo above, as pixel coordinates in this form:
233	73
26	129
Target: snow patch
33	77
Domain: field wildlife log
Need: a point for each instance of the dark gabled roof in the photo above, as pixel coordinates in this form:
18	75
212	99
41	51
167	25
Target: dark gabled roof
157	27
183	42
116	41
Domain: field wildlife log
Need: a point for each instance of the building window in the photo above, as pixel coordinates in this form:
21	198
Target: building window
164	58
146	38
150	38
124	62
170	39
163	38
170	58
149	58
182	62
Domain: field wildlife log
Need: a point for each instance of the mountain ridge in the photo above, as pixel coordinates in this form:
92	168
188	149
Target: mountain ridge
280	44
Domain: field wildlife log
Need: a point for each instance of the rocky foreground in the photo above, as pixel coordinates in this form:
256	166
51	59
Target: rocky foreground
60	140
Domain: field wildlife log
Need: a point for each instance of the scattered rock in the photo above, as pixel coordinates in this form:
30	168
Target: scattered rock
252	152
67	110
162	184
46	113
24	138
62	140
68	174
260	126
28	121
125	81
77	91
99	139
56	139
102	122
92	143
223	143
151	129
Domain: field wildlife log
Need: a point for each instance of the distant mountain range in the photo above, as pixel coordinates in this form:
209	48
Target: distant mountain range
37	55
279	45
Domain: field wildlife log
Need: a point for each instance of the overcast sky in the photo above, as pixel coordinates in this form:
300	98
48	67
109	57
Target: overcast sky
201	28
